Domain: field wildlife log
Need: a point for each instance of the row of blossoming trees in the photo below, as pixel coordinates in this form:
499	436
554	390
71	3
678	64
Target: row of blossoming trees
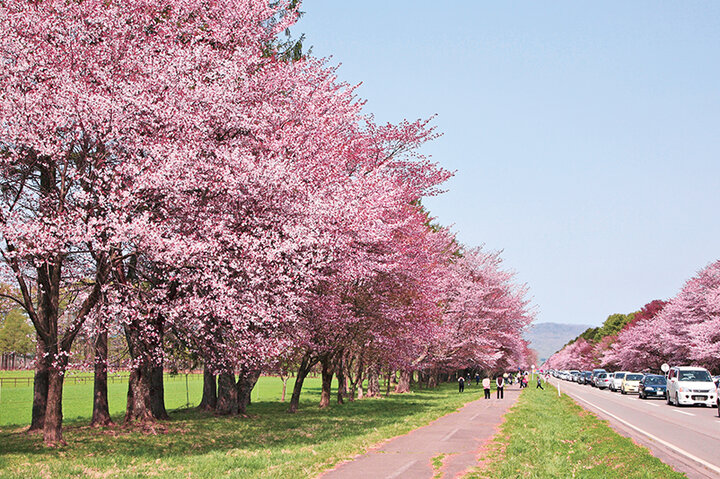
683	330
168	177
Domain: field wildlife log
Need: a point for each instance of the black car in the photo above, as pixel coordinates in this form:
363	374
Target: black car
652	386
585	377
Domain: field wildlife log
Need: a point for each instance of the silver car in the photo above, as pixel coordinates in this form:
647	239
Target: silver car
602	381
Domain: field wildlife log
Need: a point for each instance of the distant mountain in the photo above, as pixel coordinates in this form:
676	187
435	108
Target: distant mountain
547	338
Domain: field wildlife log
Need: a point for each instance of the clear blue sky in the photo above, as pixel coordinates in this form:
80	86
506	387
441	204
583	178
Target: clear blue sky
585	135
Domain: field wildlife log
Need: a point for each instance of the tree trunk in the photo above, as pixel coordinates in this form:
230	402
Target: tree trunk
390	374
327	375
403	385
305	366
342	391
246	382
40	386
209	397
52	430
227	401
433	379
101	410
157	393
373	381
138	407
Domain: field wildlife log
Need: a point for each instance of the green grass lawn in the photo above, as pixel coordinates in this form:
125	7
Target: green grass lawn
16	401
549	437
267	443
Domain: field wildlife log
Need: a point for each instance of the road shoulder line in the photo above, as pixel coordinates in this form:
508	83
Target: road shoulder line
703	462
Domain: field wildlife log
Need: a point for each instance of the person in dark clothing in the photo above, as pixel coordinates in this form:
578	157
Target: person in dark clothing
461	384
477	379
500	382
539	383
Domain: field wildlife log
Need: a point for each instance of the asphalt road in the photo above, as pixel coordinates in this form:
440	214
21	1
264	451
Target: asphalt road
457	437
687	438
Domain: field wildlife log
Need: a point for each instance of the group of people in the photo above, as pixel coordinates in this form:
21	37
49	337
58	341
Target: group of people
500	381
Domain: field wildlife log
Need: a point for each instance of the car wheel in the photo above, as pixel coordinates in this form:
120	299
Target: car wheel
677	400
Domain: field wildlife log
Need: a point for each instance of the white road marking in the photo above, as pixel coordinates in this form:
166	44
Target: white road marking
683	412
476	415
710	466
401	470
450	434
653	405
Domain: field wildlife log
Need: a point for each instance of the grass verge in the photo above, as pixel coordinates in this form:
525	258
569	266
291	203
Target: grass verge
267	443
544	436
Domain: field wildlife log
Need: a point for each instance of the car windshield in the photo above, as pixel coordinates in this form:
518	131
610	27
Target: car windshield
655	381
619	375
633	377
694	375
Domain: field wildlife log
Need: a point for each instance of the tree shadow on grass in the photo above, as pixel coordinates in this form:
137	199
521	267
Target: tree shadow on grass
267	430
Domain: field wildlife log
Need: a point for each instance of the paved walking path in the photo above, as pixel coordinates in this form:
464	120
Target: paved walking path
459	435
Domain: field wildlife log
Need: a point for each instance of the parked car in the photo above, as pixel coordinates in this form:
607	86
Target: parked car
585	378
630	383
652	385
575	376
595	372
602	380
689	385
717	380
617	380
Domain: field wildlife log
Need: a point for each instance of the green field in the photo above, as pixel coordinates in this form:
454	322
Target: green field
269	442
546	437
16	401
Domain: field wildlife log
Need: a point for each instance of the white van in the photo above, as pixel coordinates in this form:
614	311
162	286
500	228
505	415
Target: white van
690	385
617	380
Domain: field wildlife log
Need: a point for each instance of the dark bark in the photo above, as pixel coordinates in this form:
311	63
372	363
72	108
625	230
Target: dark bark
246	382
305	366
157	392
227	401
101	410
403	386
356	383
390	375
327	375
40	386
209	397
373	381
138	398
139	407
433	379
52	430
342	391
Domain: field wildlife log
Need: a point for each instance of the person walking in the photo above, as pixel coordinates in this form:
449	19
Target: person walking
500	382
525	381
461	384
486	387
477	379
539	383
